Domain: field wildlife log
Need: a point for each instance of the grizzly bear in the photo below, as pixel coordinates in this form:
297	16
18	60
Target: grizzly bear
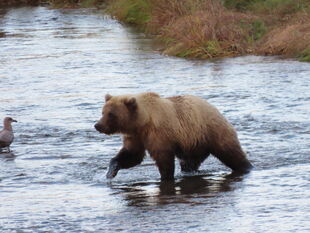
187	127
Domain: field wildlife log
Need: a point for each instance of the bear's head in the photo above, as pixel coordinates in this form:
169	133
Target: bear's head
119	115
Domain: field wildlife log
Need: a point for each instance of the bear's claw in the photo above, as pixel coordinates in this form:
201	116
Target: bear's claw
113	169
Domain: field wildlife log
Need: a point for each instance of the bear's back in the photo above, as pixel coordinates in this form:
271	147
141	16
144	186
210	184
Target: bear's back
186	119
199	121
193	108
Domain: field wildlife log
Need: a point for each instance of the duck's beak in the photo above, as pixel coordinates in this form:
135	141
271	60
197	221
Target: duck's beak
14	120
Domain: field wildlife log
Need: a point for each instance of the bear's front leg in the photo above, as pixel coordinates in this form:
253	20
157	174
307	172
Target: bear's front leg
165	163
129	156
124	159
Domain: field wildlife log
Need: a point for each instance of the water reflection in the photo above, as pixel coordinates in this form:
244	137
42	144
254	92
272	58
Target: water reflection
188	189
7	156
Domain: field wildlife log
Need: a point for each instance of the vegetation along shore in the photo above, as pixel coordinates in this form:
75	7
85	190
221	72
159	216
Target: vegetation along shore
213	28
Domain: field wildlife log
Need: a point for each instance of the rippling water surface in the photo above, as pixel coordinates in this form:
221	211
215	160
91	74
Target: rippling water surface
55	68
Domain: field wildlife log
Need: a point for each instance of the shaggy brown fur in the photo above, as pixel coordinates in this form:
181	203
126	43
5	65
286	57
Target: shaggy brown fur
187	127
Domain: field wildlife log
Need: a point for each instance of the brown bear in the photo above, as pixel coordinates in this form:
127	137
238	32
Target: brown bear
187	127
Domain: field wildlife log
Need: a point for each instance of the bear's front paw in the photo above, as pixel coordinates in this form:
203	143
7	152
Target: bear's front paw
113	169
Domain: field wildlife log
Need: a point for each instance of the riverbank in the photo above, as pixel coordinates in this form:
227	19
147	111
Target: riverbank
207	29
8	3
211	28
53	3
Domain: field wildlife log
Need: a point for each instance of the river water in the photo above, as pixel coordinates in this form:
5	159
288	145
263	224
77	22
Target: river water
55	68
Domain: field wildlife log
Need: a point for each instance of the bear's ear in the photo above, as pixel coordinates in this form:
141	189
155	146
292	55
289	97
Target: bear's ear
107	97
131	103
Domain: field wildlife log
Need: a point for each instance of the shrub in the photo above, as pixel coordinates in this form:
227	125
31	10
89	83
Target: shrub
256	29
305	55
131	11
197	28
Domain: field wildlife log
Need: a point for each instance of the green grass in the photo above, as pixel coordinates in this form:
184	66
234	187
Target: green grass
255	29
258	29
131	11
305	55
212	48
209	49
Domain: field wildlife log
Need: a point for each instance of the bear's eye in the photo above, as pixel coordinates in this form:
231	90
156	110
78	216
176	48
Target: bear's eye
111	115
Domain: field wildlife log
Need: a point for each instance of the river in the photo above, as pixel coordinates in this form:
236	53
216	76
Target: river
55	68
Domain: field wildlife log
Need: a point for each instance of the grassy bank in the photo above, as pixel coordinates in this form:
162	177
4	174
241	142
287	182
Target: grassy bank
53	3
214	28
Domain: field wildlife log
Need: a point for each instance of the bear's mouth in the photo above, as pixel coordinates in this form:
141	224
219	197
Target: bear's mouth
104	130
100	128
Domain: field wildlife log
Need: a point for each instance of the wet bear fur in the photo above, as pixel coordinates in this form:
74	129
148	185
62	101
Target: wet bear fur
186	127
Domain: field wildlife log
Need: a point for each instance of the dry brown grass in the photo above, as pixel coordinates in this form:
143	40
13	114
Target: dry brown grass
288	39
207	29
196	28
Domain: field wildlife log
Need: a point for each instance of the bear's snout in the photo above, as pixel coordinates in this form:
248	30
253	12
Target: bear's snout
103	128
99	127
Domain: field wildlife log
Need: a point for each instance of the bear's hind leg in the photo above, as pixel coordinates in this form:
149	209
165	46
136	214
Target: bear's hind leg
235	159
191	161
189	165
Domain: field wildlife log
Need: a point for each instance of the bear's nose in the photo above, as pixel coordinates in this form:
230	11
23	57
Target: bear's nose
98	127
